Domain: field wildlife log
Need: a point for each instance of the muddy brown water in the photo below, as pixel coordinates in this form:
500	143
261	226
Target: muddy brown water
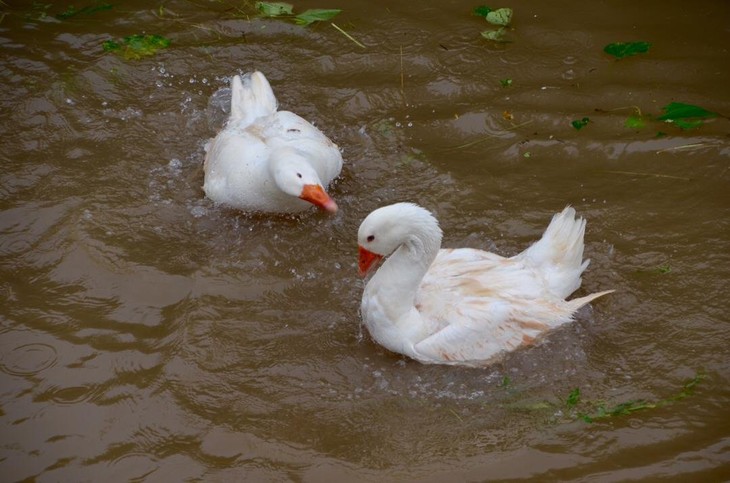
149	335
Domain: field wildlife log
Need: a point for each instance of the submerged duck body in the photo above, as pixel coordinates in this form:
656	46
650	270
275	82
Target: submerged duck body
268	160
465	306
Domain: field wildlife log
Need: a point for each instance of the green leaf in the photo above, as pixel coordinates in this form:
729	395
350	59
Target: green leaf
573	397
496	35
626	49
501	16
482	10
579	124
635	121
685	116
316	15
88	10
506	82
137	46
678	110
275	9
664	268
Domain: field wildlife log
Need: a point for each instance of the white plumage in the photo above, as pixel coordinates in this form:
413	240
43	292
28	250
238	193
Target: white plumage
268	160
465	306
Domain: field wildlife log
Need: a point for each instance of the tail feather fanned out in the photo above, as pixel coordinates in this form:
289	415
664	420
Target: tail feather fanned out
559	253
251	97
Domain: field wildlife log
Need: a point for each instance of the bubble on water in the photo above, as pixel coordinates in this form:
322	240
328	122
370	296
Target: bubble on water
410	124
70	102
198	211
569	74
569	60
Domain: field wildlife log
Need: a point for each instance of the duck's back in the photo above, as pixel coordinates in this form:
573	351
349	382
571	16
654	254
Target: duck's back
479	304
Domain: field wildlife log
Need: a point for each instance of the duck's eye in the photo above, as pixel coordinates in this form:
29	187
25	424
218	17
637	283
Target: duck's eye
299	175
371	238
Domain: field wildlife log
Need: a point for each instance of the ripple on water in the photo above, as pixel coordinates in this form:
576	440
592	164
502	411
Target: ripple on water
28	359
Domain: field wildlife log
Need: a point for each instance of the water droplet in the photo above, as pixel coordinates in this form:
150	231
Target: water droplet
198	211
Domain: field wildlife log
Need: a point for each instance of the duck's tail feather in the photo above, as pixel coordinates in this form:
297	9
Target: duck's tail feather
559	253
575	304
251	97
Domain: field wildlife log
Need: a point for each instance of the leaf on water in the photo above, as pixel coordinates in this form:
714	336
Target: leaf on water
110	46
88	10
501	16
316	15
635	121
496	35
579	124
573	397
137	46
482	10
506	82
685	116
630	407
626	49
275	9
664	268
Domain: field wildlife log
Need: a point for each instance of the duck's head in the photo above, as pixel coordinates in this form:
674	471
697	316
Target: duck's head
388	228
294	175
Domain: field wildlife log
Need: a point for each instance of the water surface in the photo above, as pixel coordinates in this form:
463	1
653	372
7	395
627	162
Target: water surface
147	334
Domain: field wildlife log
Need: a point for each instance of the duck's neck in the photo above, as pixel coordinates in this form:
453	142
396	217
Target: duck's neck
398	279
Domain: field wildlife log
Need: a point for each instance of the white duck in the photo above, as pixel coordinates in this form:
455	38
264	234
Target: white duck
464	306
268	160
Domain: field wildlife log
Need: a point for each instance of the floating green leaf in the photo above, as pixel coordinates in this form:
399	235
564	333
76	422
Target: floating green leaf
275	9
573	397
496	35
635	121
88	10
622	409
506	82
665	268
482	10
137	46
501	16
579	124
626	49
316	15
677	110
626	408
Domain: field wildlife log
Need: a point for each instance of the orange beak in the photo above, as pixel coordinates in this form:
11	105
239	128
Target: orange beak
316	195
368	260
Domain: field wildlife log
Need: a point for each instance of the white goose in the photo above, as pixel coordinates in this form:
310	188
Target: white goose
268	160
464	306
